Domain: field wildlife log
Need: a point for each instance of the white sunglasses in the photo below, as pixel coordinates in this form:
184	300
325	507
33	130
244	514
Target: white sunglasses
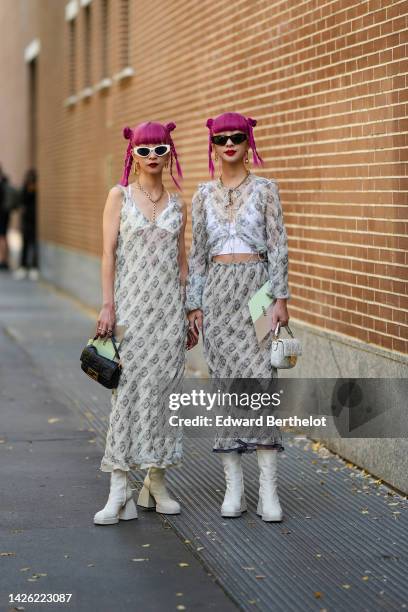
159	150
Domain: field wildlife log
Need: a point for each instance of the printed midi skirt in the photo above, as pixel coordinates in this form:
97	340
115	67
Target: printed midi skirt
231	347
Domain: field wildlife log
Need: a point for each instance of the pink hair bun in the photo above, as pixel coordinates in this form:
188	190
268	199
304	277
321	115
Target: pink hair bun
252	122
170	126
127	133
210	122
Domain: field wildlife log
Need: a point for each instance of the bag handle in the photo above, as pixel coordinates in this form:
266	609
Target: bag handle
114	345
277	331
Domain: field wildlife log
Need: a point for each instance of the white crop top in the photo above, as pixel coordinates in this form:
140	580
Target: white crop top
234	244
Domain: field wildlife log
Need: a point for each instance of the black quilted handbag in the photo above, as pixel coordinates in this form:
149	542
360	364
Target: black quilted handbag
105	371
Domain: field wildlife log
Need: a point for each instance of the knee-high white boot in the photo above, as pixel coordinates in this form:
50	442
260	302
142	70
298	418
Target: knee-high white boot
155	495
234	500
120	504
268	506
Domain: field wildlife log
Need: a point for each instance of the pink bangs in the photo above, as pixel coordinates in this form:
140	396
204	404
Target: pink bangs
228	122
150	133
147	133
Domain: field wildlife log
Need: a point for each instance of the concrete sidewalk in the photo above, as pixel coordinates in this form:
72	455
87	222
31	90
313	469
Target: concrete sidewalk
50	489
342	545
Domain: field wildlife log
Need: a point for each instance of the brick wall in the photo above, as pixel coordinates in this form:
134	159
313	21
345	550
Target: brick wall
326	81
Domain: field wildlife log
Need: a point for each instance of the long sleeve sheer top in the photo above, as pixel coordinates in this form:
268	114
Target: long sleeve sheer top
258	221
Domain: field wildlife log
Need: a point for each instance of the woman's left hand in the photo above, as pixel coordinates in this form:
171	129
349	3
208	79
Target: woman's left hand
192	340
280	313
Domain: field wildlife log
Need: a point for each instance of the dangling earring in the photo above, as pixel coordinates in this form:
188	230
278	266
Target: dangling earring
215	156
246	160
166	165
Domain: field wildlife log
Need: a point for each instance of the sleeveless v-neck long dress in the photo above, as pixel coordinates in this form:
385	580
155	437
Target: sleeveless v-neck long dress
149	302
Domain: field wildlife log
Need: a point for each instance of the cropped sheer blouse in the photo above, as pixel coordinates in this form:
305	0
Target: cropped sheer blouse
258	223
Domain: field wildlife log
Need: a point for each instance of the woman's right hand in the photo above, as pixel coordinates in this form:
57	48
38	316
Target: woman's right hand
106	321
195	322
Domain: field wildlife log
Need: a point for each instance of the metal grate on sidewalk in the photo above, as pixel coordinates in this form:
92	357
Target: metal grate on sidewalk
342	544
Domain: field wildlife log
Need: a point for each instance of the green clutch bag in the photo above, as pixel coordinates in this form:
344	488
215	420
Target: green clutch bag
260	307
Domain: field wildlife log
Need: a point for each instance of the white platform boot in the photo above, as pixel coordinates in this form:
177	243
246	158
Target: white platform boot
155	495
268	506
234	500
120	504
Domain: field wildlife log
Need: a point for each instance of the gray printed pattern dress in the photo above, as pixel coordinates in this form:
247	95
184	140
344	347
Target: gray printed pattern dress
222	291
149	301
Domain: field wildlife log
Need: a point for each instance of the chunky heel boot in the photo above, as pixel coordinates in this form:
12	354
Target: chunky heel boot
234	503
155	495
269	507
120	504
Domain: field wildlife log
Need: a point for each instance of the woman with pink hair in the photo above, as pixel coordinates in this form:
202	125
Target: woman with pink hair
239	244
144	268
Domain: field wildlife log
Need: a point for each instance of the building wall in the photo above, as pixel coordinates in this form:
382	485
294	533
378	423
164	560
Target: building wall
327	83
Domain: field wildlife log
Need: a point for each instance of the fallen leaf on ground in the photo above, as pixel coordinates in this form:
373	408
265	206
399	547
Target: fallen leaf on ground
53	420
183	565
137	560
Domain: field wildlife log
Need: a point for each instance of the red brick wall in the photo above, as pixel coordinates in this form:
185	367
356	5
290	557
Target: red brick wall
327	83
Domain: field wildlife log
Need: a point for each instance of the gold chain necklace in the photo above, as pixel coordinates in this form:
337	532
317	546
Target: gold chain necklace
229	204
147	194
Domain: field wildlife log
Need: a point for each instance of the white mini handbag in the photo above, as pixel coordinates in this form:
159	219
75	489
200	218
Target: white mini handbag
285	352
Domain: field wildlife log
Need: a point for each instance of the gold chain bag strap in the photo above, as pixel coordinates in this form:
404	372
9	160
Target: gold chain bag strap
285	351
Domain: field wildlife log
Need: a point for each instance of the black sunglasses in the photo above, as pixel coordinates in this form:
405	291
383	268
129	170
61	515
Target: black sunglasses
222	139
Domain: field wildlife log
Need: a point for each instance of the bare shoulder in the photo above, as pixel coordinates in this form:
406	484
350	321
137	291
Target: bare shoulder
116	193
115	197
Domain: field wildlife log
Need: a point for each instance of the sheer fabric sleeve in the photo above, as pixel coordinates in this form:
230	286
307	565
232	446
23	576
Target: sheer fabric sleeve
197	263
277	245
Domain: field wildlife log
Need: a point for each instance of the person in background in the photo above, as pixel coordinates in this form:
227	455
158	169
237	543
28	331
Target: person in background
4	220
29	255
